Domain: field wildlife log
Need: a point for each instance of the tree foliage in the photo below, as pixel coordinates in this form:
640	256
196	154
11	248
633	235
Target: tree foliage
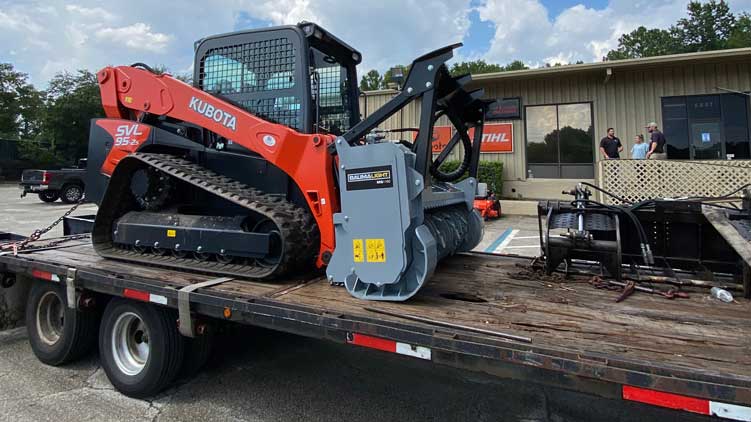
643	42
740	36
707	26
475	67
20	104
72	101
373	80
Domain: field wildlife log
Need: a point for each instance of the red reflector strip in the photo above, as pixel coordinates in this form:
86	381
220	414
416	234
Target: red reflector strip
689	404
44	275
144	296
671	401
373	342
136	294
390	346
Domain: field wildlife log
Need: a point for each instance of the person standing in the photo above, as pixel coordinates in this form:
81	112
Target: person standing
639	150
657	141
610	146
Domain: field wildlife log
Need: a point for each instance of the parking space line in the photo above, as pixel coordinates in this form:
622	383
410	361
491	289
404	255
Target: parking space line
494	245
507	241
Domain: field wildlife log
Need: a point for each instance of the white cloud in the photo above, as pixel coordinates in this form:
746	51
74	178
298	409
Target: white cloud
76	34
47	36
386	32
525	31
96	13
138	36
15	20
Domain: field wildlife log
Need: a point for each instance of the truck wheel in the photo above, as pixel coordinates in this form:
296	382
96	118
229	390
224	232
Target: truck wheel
57	333
139	347
70	194
49	195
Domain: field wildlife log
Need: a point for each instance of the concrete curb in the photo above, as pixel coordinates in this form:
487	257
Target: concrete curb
517	207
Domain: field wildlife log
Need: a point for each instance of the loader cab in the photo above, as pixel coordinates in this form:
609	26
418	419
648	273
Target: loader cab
300	76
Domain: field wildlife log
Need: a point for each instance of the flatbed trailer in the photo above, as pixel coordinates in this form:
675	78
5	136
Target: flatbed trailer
474	314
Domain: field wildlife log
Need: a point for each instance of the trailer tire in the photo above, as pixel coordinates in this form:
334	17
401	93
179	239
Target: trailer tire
197	353
57	333
49	195
140	348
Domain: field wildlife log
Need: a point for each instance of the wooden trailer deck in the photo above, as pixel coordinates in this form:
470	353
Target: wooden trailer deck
695	346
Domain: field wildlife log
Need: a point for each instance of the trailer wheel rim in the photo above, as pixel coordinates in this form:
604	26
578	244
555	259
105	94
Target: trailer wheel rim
50	318
130	343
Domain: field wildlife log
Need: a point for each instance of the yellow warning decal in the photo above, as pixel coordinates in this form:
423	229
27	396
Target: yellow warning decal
129	100
357	251
376	250
171	233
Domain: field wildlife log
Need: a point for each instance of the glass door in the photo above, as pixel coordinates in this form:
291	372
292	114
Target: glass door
706	142
705	127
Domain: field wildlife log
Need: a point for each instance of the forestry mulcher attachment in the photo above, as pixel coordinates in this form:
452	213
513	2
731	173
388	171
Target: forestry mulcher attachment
263	167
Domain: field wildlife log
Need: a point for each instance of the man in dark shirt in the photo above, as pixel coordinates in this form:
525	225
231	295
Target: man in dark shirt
657	148
610	146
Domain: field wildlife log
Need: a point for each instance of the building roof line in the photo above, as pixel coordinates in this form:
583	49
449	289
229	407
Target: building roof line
615	64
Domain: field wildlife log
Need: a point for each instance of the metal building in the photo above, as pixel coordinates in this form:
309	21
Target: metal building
552	119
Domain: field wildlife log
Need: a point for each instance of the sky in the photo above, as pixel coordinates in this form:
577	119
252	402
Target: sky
42	38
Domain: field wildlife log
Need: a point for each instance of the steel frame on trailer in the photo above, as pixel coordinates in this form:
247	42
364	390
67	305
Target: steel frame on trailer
601	375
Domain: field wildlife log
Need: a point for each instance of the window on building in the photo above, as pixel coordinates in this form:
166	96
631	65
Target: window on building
560	141
706	127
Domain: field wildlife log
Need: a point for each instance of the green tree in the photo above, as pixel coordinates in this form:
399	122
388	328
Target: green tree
474	67
707	27
72	101
185	77
643	42
515	65
20	104
371	81
740	36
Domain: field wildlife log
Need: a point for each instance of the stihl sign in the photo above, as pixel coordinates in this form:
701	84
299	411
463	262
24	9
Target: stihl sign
496	137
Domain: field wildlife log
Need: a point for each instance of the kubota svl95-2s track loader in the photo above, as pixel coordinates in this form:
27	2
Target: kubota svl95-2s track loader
264	168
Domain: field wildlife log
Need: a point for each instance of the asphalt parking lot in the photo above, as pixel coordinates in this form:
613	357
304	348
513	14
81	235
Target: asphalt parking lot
260	375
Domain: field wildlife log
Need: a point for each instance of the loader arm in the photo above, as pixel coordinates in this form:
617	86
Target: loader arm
128	91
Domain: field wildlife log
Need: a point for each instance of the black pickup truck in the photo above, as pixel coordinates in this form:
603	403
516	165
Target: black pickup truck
66	184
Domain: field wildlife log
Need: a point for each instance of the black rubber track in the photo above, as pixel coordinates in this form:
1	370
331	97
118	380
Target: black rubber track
298	229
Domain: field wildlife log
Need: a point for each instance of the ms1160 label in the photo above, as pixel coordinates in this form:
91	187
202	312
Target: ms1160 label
370	178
